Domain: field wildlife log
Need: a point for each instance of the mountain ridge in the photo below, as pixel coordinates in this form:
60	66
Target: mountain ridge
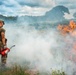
55	14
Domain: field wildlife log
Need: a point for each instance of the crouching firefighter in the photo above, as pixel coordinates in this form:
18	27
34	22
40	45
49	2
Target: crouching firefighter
3	43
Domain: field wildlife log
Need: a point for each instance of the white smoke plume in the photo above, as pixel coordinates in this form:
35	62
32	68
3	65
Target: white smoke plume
42	49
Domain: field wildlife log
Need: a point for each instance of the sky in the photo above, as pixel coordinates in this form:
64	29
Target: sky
33	7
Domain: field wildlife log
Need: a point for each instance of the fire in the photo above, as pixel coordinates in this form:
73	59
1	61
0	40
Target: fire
70	29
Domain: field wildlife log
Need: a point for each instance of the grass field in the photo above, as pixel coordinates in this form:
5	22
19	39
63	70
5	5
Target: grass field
18	70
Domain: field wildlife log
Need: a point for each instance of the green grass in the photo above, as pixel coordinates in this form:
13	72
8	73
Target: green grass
57	72
18	70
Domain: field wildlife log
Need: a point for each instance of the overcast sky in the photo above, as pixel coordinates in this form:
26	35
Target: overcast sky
33	7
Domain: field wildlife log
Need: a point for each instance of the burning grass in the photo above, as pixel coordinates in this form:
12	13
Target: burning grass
71	28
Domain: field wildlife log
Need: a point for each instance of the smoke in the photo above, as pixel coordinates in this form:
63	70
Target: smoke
43	50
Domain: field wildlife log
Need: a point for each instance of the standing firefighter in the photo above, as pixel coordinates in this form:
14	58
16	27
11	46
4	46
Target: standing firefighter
3	41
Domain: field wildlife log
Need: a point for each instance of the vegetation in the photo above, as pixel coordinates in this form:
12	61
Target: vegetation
57	72
18	70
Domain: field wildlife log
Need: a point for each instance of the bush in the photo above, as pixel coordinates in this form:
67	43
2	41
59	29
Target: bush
58	72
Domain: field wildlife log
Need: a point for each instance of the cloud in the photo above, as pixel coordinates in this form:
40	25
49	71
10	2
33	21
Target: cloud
32	11
32	7
9	7
68	16
26	7
10	3
71	4
43	3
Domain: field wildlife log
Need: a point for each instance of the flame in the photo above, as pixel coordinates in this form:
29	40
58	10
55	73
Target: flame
71	30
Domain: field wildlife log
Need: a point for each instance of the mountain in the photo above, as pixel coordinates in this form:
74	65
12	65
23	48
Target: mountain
74	15
8	18
56	14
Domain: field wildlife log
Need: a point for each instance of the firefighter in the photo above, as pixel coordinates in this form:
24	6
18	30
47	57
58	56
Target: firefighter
3	41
